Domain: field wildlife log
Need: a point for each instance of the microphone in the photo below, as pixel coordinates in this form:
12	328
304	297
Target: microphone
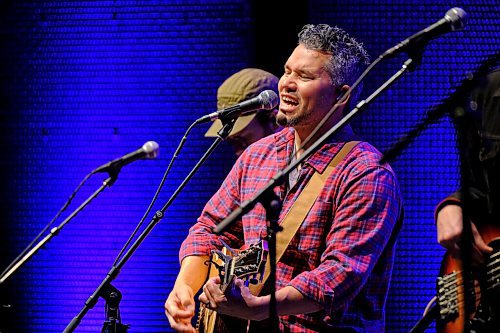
267	100
454	20
149	150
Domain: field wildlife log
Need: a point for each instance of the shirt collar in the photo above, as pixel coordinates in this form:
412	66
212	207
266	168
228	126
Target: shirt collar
320	159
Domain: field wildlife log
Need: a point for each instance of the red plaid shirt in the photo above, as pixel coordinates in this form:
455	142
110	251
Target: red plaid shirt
342	255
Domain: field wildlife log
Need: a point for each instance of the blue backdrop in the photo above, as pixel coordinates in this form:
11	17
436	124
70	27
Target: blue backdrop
84	82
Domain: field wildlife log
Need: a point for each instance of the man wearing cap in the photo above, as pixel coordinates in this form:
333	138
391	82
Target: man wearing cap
241	86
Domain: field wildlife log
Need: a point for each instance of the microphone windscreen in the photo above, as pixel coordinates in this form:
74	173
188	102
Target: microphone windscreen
151	148
269	99
457	18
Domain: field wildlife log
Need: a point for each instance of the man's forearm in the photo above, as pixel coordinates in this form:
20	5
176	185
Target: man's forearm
289	301
193	272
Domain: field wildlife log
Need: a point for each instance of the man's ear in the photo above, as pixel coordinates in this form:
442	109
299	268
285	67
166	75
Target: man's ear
342	91
345	103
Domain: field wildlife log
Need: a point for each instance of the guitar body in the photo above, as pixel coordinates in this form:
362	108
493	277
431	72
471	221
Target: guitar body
483	295
212	322
229	264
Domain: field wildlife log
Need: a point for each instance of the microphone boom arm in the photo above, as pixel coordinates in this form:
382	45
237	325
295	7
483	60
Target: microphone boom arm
54	231
447	105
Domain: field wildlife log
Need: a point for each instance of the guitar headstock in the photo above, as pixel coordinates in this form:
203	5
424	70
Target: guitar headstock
246	264
250	261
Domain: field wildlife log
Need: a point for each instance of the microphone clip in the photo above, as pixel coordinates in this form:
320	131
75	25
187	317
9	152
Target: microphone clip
227	127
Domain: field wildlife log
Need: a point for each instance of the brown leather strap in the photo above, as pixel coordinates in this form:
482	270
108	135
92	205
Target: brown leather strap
299	210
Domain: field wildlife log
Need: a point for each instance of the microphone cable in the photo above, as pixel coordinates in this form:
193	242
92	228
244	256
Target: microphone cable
157	193
61	210
44	230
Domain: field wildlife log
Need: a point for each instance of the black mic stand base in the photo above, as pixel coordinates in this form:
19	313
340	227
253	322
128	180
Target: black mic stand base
114	327
113	321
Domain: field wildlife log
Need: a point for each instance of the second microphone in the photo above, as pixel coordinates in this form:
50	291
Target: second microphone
266	100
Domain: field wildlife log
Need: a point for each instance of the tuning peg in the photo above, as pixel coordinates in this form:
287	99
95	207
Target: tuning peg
253	279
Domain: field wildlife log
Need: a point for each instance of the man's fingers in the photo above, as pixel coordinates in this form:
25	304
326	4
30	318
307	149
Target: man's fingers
179	309
479	241
177	312
244	290
204	300
212	294
181	327
179	323
210	298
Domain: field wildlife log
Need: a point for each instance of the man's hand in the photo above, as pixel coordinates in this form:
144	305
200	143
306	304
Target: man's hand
179	308
449	234
237	302
180	305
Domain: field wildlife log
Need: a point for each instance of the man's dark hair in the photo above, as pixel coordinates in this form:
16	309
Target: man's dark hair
349	57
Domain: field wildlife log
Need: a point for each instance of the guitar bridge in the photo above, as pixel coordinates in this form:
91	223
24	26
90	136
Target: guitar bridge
451	294
447	294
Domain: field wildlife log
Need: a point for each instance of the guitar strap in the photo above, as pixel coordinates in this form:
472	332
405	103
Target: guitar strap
299	210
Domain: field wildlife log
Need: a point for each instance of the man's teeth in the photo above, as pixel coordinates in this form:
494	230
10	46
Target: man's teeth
289	101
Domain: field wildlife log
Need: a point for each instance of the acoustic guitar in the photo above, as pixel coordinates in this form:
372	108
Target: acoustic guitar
229	264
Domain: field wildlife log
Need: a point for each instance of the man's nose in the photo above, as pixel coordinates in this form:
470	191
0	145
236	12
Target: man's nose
288	83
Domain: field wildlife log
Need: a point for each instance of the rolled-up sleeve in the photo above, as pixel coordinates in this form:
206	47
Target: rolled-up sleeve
201	240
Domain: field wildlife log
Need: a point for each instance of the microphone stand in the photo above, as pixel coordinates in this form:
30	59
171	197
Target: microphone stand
467	238
424	322
263	195
458	114
113	319
105	284
272	204
55	231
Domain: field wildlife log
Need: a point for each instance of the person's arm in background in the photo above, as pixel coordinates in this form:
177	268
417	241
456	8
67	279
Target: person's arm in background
449	223
483	110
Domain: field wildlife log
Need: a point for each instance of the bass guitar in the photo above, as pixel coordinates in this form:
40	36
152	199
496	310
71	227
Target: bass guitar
483	295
